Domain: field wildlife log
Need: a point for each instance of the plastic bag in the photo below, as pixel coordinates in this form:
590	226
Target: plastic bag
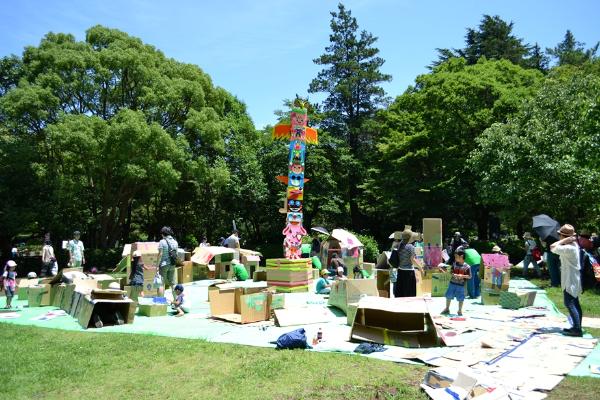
54	269
293	340
157	283
393	275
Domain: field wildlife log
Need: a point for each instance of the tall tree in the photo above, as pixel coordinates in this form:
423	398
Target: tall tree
572	52
492	39
428	134
537	59
352	79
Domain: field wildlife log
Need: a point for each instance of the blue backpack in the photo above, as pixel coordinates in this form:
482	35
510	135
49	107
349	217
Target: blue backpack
293	340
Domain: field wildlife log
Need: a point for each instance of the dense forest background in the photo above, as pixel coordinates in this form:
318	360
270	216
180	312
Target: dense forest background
111	137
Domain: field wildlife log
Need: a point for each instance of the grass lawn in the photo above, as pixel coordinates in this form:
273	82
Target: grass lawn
50	364
54	364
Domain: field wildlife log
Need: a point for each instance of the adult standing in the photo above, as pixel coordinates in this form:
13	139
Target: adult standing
530	246
167	247
553	262
315	245
48	259
456	242
473	259
403	258
76	251
233	241
570	276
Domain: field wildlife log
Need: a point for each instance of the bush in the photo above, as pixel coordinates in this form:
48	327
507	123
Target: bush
371	250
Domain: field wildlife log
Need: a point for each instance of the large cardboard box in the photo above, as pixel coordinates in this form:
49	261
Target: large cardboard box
149	252
241	305
350	291
490	295
402	322
251	262
105	304
259	276
199	272
439	283
351	313
223	270
426	283
56	298
39	295
496	277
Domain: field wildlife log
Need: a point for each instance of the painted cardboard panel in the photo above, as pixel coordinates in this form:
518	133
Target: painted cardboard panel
67	298
350	291
518	299
239	305
39	295
152	310
432	231
432	255
500	261
496	277
285	275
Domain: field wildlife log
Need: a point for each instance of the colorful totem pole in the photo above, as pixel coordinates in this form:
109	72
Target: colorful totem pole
299	135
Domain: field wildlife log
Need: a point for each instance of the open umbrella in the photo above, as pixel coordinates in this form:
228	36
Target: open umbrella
545	226
320	229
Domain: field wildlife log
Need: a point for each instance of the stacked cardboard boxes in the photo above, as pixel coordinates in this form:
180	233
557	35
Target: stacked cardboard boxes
289	276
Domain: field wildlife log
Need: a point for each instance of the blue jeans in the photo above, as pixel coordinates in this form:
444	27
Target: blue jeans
526	261
553	261
473	284
572	304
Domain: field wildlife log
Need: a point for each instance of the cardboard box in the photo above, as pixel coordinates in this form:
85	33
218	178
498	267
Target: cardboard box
239	305
402	322
350	291
104	280
67	298
185	272
251	262
517	299
489	295
102	304
383	280
439	283
152	310
259	276
39	295
22	286
199	272
149	253
426	282
289	275
223	270
351	313
56	298
384	293
432	231
276	301
497	277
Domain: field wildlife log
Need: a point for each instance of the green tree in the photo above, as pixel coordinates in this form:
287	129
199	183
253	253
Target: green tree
572	52
122	139
492	39
351	79
542	160
427	136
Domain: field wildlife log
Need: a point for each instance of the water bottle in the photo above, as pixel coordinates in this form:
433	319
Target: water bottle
320	335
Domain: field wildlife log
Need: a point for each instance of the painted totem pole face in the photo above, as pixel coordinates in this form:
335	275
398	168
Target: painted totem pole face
294	218
295	206
299	120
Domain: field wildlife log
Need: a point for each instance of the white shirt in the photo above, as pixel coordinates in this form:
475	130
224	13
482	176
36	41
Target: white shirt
570	275
75	247
232	242
47	253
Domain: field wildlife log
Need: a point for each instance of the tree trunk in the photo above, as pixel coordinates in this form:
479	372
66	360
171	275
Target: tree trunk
483	217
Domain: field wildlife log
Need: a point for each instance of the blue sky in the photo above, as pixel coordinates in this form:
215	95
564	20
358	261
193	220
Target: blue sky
262	50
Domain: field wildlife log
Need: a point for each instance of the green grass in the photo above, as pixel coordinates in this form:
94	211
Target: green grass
52	364
589	300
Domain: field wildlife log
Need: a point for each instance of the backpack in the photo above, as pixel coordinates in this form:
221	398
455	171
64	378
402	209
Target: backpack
293	340
588	268
172	251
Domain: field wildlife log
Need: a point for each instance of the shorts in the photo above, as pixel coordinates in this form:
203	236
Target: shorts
10	291
455	291
167	273
185	309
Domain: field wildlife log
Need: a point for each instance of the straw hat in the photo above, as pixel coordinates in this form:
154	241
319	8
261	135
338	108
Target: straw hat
527	235
397	235
567	230
408	236
496	248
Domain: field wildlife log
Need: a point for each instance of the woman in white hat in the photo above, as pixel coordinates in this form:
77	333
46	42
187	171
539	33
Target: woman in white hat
403	258
570	276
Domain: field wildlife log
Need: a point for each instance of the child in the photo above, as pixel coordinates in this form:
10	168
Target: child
181	303
323	284
10	281
239	271
136	277
461	272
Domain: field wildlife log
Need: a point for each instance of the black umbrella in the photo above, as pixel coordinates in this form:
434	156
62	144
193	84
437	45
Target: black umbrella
545	226
320	229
